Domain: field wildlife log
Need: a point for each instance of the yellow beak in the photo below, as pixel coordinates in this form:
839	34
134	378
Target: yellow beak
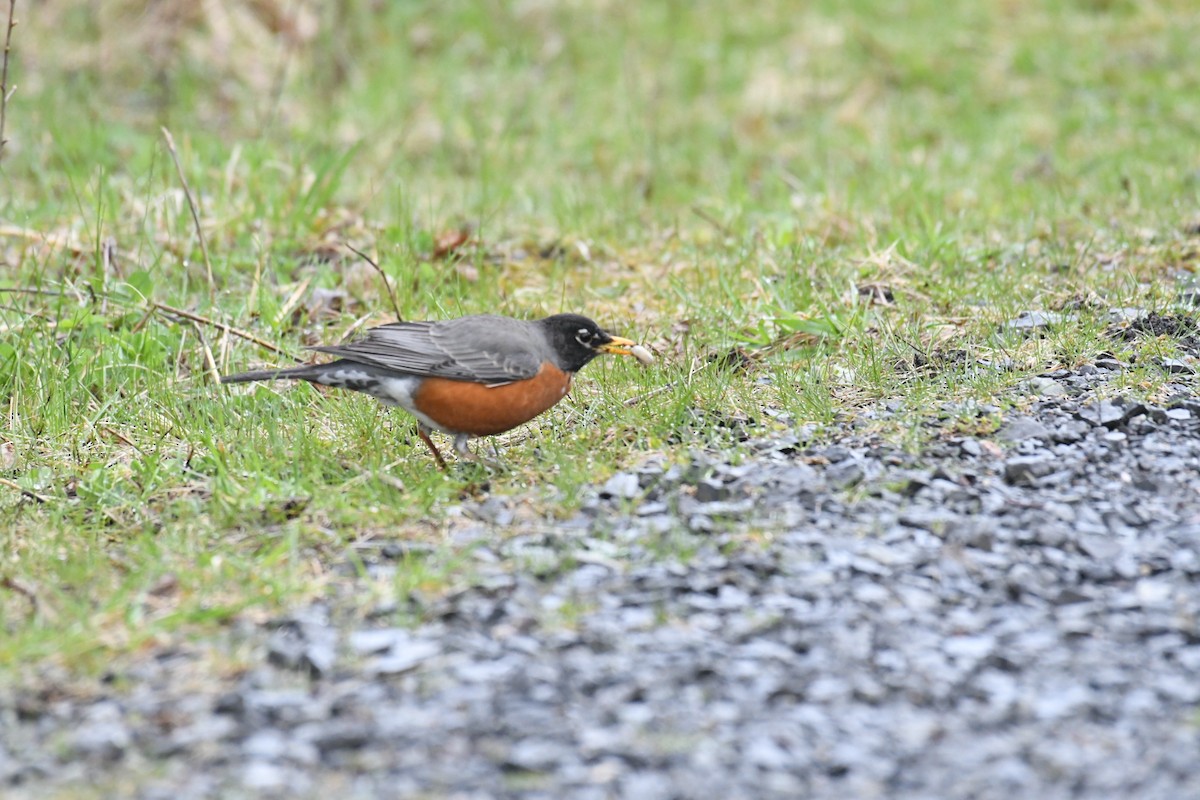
617	347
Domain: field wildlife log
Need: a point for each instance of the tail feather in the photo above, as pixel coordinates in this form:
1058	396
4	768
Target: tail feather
294	373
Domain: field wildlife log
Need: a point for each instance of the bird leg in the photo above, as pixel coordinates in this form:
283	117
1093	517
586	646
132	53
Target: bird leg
423	432
462	448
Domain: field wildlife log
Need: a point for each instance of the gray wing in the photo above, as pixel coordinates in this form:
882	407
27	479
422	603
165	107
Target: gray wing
483	348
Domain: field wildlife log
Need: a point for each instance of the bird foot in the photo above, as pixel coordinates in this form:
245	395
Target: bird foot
462	447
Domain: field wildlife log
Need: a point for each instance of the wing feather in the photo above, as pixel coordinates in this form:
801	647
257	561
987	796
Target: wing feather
485	348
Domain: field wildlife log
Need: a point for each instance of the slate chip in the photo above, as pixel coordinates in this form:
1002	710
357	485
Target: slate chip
1026	470
1033	320
1022	428
711	491
1111	414
1177	366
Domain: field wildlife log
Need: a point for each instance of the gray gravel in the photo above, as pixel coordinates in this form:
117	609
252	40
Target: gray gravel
1011	616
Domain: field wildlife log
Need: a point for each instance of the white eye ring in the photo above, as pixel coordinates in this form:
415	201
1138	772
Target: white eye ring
584	336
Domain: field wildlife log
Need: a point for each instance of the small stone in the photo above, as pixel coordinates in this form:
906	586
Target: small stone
331	735
1177	366
622	486
1046	387
647	786
1105	413
1062	701
1110	414
377	640
1019	429
796	478
232	703
1069	432
536	755
404	658
285	648
1024	471
101	740
1125	314
1153	592
266	745
711	491
206	730
869	566
319	657
1099	546
1069	596
835	453
969	648
278	704
979	533
928	519
871	594
1032	320
765	753
844	475
265	776
652	509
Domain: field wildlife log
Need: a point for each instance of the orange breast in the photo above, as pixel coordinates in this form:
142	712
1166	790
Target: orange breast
463	407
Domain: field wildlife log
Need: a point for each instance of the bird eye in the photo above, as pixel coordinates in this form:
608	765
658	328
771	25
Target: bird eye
584	336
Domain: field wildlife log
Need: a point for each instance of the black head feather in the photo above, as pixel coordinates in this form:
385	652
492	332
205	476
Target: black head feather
575	339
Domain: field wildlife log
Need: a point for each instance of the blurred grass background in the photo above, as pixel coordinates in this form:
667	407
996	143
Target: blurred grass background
851	195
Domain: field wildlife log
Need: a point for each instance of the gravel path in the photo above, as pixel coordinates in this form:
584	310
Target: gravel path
1013	616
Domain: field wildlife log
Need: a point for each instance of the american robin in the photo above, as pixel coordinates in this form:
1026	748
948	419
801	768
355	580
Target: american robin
472	376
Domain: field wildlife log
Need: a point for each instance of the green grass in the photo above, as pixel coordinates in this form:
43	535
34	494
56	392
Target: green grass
849	192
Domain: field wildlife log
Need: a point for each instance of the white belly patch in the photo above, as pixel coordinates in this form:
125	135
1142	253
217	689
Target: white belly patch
391	391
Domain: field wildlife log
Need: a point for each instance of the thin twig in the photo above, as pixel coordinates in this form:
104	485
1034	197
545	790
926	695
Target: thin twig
387	284
209	361
26	492
178	312
18	586
241	334
365	476
4	91
108	255
116	435
711	220
293	300
358	323
187	192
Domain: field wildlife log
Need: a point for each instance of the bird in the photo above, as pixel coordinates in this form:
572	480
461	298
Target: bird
477	375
